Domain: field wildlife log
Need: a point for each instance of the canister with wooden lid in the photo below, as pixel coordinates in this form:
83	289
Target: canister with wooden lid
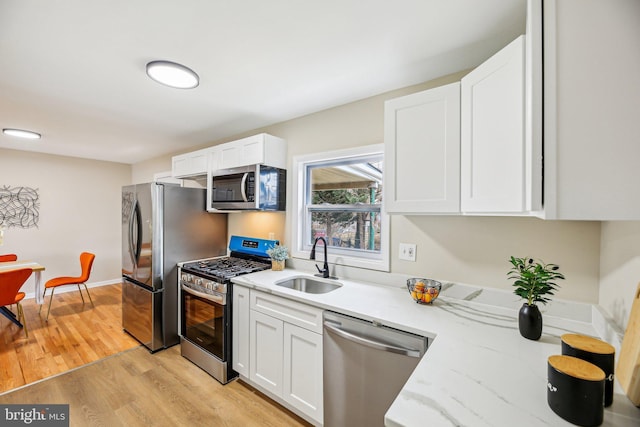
575	390
596	351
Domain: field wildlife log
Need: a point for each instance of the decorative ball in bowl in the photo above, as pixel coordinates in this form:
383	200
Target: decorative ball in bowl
424	291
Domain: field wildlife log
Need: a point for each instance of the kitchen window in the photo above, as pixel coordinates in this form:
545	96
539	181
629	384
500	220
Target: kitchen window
339	197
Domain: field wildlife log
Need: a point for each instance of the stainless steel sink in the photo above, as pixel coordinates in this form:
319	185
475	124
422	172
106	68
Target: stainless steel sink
309	285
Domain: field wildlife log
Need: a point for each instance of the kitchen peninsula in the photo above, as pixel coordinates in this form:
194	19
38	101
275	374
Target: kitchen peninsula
478	370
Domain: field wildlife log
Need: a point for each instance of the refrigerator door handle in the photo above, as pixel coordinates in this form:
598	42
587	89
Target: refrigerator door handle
131	243
137	245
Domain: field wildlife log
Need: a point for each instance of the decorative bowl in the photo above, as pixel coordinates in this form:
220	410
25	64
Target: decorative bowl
424	291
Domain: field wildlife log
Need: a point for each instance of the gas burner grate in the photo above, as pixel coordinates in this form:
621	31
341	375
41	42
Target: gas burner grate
226	267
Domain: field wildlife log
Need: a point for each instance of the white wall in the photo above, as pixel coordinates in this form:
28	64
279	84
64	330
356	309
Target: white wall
79	211
619	268
476	250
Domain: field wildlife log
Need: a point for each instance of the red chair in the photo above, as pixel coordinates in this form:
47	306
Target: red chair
8	257
10	284
86	262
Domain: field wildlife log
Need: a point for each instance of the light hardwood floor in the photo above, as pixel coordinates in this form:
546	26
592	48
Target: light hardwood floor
136	388
84	359
75	335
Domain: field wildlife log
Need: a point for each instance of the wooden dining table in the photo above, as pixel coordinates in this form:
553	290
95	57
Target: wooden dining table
37	274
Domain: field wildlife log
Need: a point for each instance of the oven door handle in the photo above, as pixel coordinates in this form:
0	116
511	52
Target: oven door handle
213	298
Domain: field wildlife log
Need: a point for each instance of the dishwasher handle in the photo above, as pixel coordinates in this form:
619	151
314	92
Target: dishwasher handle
371	343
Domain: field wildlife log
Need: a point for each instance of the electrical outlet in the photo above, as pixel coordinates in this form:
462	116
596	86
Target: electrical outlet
407	251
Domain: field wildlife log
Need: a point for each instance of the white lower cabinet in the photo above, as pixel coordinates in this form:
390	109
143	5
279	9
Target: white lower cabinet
266	350
302	376
240	330
277	347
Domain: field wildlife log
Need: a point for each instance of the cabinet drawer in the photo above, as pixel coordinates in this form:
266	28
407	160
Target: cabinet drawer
293	312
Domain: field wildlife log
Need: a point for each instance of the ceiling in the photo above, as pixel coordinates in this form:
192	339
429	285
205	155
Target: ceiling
74	71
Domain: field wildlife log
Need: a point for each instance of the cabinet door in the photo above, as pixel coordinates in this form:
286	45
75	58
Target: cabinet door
253	150
492	134
190	164
240	330
230	155
214	159
422	151
243	152
302	382
265	363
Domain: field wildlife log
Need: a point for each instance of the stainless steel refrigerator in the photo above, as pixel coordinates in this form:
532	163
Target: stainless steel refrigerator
162	224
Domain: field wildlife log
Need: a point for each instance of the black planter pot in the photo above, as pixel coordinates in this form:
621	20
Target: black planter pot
530	321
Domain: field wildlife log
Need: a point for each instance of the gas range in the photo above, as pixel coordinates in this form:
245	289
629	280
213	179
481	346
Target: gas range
206	299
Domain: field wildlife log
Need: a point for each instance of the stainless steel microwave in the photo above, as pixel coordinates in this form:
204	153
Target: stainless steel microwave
255	187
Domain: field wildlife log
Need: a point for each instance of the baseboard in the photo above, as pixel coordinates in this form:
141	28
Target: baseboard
62	290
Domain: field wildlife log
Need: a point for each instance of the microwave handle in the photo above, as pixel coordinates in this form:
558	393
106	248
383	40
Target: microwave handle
243	186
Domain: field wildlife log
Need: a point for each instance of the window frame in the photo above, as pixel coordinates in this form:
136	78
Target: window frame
300	236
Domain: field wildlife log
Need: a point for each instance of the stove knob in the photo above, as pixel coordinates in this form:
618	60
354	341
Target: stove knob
199	282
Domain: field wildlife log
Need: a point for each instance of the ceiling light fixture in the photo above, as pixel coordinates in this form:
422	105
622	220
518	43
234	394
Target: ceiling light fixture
172	74
20	133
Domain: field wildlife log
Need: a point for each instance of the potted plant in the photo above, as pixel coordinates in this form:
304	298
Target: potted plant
534	281
278	255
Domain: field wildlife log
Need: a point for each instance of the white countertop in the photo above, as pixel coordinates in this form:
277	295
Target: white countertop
478	370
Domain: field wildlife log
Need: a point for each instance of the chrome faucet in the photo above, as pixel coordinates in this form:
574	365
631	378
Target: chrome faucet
325	268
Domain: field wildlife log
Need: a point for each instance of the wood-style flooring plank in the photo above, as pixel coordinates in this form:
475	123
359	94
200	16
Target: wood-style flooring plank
137	388
74	335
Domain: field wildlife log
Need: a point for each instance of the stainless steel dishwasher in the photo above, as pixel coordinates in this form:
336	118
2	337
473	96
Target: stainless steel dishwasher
364	367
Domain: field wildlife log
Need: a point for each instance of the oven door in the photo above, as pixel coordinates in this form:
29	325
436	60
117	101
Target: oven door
205	321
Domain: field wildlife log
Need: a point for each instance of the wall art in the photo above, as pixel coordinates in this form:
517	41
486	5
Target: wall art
19	207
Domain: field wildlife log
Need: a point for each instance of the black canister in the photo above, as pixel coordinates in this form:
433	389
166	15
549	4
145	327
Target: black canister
575	390
594	351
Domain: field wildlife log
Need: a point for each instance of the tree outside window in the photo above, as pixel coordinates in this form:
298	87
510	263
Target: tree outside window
344	203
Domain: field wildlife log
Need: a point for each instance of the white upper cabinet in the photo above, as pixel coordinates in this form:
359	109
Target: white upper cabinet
591	109
261	149
189	165
494	153
473	147
422	152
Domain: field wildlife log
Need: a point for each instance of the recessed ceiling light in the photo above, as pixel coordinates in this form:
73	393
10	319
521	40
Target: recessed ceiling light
21	133
172	74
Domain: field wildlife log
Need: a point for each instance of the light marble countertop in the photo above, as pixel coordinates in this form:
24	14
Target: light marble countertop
478	370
